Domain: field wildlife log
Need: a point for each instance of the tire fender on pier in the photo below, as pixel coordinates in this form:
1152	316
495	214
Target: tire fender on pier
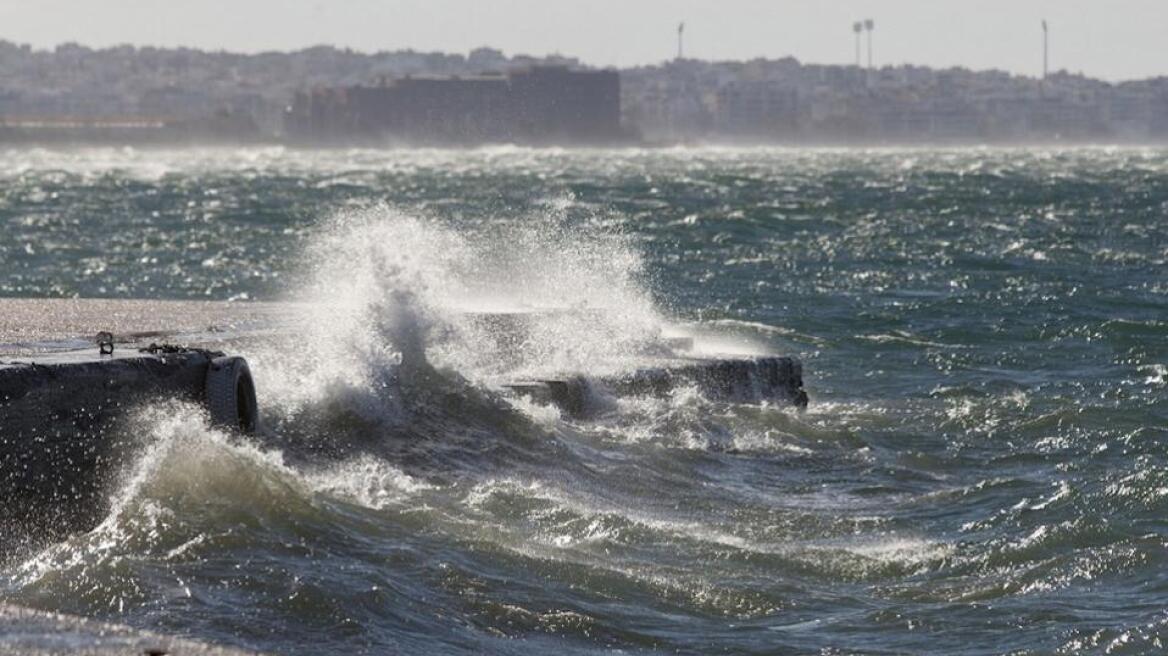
231	397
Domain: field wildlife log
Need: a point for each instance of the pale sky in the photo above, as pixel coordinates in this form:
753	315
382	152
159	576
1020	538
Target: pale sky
1112	39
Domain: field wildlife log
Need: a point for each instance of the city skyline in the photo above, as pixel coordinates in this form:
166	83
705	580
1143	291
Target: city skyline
1118	41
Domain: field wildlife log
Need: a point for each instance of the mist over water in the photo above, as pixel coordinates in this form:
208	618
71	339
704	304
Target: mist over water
981	469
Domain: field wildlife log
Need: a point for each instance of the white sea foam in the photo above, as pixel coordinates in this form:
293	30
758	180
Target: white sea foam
494	304
184	468
367	481
569	519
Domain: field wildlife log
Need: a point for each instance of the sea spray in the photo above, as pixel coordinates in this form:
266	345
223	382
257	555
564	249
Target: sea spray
386	288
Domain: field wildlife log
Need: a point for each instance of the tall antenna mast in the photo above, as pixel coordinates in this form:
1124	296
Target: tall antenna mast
1045	50
858	27
680	35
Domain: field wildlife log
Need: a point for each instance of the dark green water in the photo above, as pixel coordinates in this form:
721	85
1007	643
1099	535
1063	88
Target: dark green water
982	468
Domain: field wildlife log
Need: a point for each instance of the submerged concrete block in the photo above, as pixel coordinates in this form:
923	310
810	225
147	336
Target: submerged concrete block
748	380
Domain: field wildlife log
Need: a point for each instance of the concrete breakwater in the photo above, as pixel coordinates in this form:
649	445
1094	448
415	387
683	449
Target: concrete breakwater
39	325
754	379
56	416
61	395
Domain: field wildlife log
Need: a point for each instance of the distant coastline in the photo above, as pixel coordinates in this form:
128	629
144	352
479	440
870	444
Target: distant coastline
145	96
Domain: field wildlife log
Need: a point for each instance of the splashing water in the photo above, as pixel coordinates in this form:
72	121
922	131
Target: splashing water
492	304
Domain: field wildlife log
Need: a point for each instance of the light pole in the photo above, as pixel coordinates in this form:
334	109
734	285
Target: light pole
1045	50
680	34
857	27
869	25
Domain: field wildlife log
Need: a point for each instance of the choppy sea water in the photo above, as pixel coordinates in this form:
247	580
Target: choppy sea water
983	467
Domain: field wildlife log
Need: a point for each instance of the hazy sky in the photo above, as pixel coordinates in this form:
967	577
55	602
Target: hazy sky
1114	39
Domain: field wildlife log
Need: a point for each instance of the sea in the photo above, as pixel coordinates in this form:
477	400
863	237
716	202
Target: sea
982	467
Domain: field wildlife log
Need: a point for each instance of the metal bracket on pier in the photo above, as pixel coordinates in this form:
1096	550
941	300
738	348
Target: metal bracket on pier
105	343
175	349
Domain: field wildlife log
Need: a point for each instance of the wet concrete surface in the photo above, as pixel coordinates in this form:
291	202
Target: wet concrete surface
28	632
29	325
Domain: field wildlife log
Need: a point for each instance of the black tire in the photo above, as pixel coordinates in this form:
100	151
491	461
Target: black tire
231	397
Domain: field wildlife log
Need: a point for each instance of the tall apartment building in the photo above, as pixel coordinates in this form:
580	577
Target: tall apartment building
539	104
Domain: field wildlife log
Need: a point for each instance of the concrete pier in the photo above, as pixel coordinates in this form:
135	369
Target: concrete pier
58	440
61	400
27	324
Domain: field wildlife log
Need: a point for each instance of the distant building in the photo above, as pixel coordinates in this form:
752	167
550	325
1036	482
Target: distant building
757	109
538	104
